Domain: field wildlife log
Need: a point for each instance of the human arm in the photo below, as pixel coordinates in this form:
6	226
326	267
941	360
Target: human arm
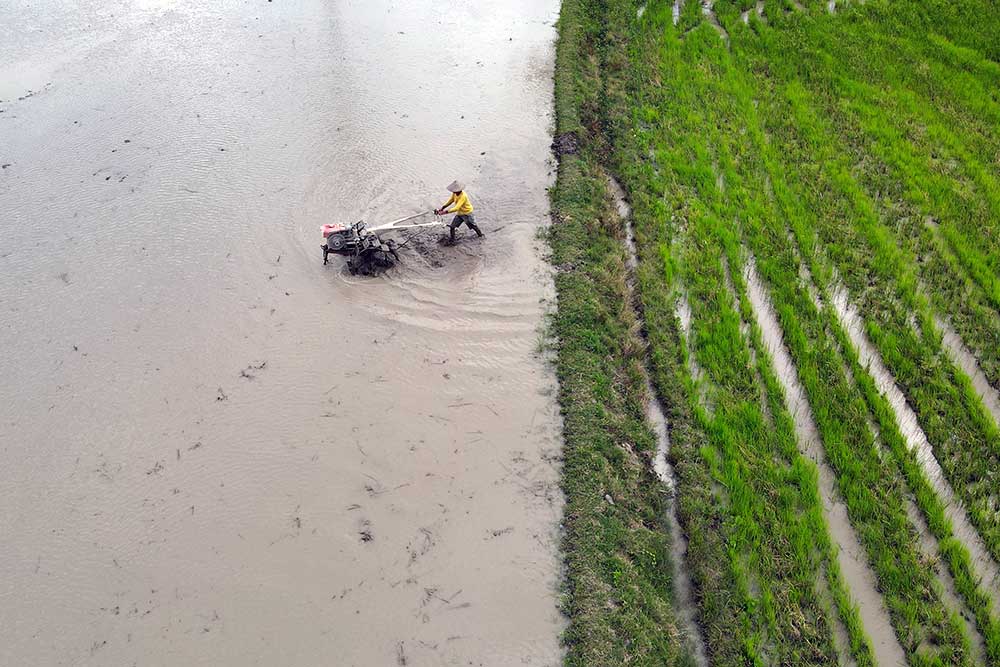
443	210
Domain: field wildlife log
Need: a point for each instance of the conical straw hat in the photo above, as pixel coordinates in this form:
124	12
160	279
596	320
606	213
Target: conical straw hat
455	187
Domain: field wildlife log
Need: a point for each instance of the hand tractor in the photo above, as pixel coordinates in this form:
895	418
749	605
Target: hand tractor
365	250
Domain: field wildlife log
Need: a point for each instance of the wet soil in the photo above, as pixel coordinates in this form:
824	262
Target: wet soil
566	144
215	450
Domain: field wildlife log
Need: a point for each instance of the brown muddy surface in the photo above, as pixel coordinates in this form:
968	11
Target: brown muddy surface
215	450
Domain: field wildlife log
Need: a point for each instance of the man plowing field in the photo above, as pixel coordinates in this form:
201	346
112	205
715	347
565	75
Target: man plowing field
367	253
462	208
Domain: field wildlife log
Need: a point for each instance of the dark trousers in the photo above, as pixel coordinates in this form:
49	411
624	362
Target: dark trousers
468	220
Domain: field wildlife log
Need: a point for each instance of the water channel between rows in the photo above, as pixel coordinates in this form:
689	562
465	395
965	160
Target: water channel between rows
851	558
968	364
217	451
984	567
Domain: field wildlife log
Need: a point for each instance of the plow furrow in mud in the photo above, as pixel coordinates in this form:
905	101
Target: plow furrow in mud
860	579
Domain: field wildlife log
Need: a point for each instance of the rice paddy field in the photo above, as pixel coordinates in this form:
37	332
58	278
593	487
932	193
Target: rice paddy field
779	221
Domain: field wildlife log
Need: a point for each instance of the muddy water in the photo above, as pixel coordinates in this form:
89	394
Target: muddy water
860	579
215	450
982	563
683	587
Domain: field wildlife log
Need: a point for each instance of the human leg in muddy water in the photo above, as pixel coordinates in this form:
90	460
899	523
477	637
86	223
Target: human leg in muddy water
468	220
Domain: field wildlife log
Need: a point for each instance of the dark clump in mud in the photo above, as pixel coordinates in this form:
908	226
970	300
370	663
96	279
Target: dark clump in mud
437	250
566	144
433	249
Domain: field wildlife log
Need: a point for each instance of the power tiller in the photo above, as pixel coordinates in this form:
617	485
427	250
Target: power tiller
367	253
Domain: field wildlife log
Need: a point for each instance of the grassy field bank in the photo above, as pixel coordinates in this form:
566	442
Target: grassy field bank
619	578
852	153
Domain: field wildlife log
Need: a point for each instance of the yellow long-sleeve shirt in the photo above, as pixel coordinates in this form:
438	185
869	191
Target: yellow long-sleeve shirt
462	204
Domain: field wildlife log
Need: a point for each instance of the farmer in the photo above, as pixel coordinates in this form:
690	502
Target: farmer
462	208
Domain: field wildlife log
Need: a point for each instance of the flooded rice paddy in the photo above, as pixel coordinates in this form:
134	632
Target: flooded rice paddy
215	449
982	562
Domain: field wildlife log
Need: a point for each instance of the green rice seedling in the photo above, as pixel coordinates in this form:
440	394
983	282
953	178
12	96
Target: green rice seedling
722	349
914	618
887	59
955	553
875	270
958	557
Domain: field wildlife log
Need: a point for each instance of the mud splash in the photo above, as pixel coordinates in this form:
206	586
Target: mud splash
850	555
967	362
214	449
983	565
683	589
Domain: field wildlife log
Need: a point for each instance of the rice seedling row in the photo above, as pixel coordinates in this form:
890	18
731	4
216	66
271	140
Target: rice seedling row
933	622
618	582
898	319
